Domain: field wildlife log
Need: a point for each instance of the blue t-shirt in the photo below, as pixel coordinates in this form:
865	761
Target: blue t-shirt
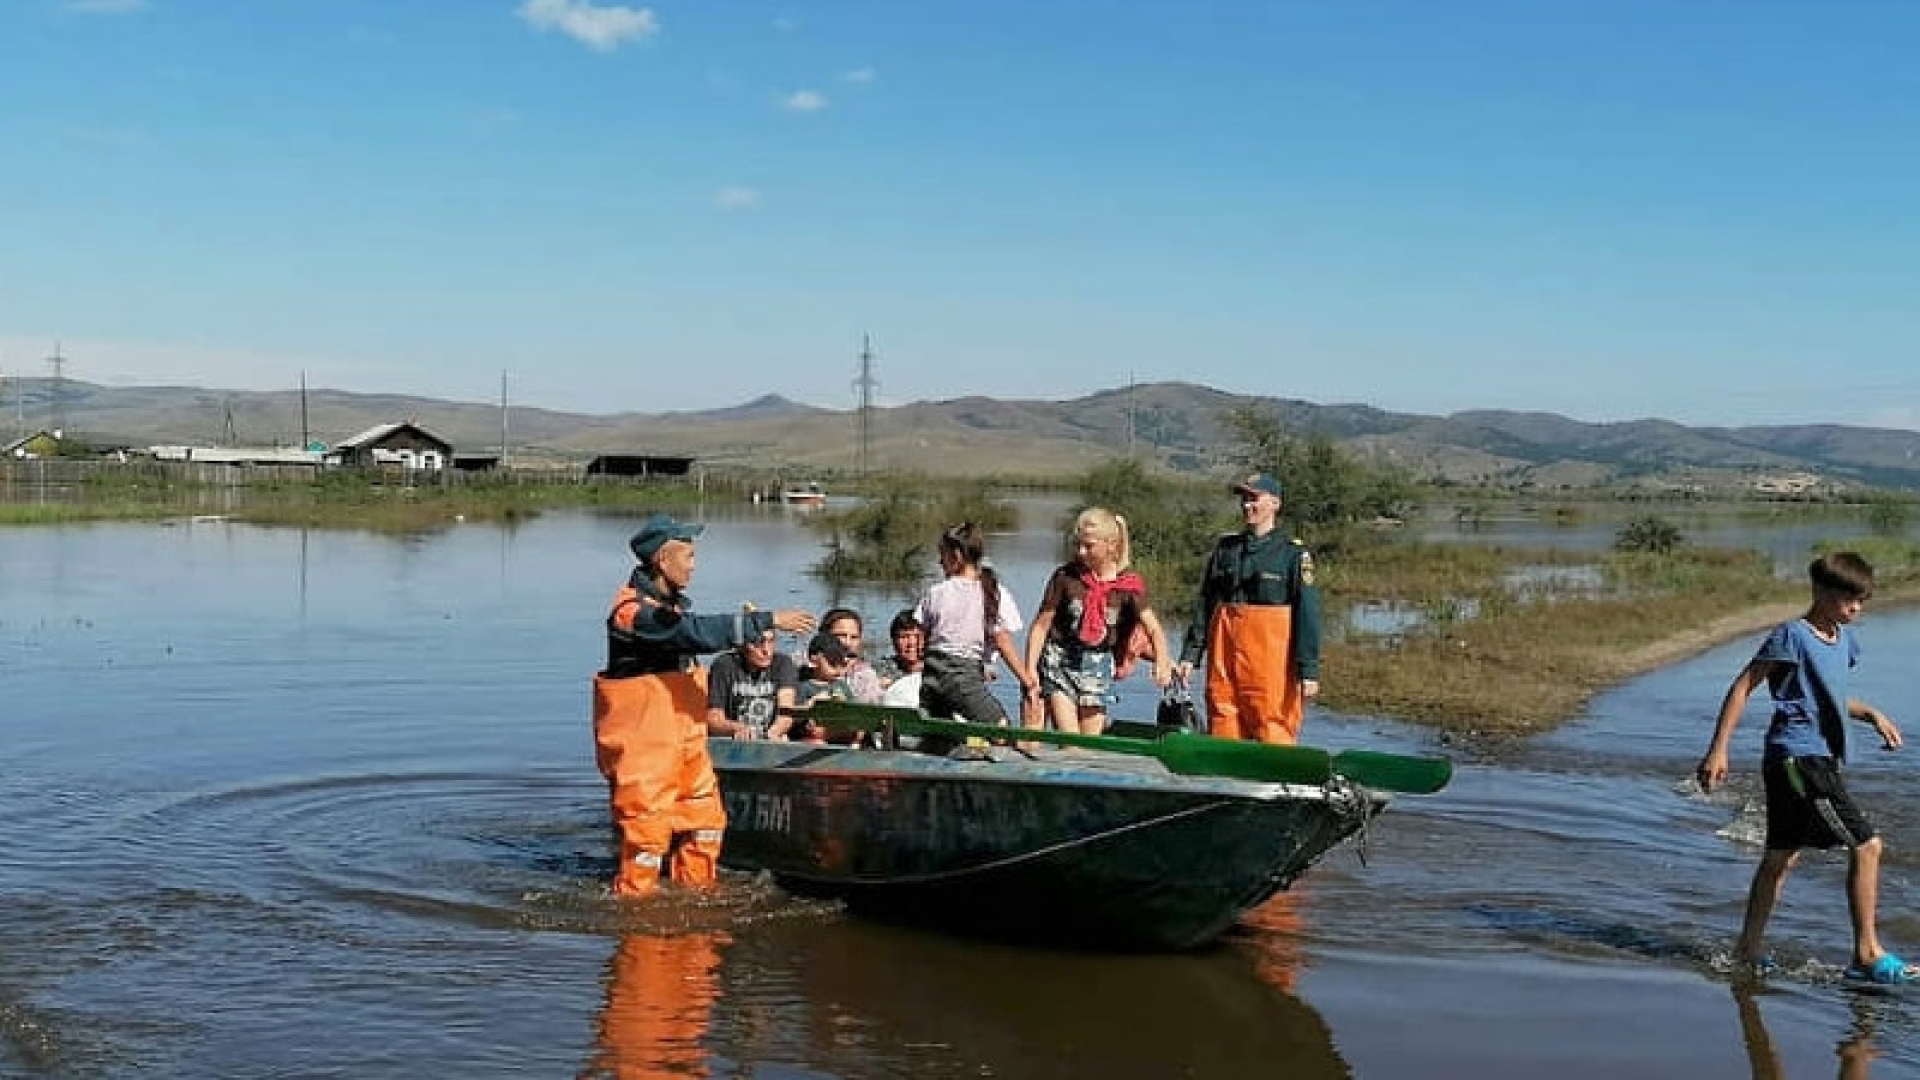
1809	685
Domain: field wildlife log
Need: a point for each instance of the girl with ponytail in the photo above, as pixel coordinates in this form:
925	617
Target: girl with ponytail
966	614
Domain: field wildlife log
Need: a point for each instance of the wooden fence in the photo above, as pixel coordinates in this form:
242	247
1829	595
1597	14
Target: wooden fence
35	479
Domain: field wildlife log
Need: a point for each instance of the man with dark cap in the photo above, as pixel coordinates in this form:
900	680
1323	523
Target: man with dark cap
649	713
1258	623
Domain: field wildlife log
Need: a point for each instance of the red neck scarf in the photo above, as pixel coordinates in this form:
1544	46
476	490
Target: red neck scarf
1093	618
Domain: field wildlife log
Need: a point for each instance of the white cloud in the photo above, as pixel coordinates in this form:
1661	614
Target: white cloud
103	7
804	101
737	198
859	75
601	28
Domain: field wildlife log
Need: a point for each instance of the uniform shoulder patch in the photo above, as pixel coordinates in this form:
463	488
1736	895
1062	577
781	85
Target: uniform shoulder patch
1306	566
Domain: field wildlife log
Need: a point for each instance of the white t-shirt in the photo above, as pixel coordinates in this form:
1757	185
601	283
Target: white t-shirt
954	614
903	691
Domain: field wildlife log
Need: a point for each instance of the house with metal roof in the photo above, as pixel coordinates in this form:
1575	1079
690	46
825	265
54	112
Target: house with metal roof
40	444
404	445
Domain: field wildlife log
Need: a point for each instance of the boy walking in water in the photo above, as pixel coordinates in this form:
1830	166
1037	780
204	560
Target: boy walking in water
1805	664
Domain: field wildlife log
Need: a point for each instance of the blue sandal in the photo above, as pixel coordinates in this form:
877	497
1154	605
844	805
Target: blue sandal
1889	970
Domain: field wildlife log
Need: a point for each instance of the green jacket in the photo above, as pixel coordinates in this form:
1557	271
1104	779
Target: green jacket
1272	569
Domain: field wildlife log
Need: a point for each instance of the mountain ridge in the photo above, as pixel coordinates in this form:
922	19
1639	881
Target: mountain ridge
1177	424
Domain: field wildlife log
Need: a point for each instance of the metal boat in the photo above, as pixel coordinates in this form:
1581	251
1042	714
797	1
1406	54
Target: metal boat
1072	846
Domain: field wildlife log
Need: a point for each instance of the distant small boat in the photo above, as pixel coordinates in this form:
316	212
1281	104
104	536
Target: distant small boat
804	495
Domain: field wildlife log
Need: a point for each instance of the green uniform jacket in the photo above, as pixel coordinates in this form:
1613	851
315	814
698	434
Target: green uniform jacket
1273	569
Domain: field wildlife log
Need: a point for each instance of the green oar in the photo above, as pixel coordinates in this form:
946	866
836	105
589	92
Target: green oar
1180	752
1394	772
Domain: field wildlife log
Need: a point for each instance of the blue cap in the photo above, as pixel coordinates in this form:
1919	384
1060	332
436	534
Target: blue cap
1258	484
828	646
656	531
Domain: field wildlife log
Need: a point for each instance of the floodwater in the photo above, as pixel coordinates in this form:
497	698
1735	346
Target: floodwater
292	803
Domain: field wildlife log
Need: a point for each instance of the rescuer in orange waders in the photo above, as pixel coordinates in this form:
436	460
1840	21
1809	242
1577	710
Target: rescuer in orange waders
1258	624
650	709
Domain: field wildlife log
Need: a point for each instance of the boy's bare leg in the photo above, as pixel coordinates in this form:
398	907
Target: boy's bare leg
1863	901
1762	895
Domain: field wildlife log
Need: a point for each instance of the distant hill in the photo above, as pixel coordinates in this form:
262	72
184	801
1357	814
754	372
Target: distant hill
1177	424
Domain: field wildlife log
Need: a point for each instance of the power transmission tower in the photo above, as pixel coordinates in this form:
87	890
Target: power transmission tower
866	384
59	365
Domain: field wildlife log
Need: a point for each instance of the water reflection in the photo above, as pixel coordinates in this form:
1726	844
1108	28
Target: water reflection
851	998
1274	933
661	990
1856	1050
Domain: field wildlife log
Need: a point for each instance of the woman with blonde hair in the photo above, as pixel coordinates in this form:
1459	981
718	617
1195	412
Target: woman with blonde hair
1087	616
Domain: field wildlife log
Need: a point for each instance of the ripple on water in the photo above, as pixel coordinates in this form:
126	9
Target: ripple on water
221	920
465	849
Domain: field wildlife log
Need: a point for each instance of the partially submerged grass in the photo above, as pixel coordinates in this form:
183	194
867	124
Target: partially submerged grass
347	501
891	537
64	513
1527	661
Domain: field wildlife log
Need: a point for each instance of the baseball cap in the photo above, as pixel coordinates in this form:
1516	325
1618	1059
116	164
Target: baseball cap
656	531
1258	484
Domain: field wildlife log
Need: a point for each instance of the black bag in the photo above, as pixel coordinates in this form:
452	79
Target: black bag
1177	709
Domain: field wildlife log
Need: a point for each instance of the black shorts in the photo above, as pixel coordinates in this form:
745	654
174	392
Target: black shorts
1808	805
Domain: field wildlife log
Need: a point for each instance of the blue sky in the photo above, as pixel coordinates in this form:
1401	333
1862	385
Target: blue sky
1699	210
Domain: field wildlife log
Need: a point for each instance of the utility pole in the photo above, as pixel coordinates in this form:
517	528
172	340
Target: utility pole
306	436
1131	387
866	384
503	418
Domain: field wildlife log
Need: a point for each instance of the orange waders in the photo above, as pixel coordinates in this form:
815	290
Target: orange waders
1251	691
650	740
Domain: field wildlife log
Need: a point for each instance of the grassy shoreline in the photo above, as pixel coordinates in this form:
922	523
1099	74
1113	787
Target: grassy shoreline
1489	659
1580	673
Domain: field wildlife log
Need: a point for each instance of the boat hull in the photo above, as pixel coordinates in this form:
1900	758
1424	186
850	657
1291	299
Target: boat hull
1068	846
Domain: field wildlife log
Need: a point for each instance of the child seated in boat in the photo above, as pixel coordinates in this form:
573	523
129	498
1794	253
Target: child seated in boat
900	672
823	679
861	679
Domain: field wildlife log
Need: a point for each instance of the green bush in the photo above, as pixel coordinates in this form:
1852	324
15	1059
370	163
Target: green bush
1649	535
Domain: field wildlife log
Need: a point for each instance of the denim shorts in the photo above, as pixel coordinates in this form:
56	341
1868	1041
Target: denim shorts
1085	675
